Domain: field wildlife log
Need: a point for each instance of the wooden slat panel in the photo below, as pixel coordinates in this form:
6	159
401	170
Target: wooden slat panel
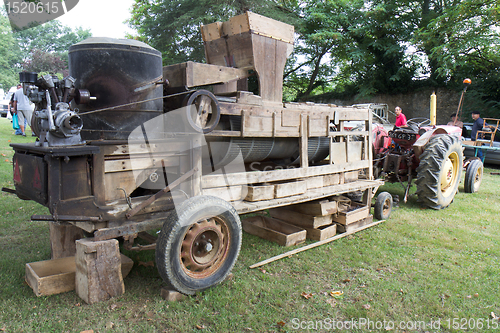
210	181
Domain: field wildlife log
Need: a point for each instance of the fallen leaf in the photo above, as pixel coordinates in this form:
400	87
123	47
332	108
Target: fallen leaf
493	316
447	296
87	331
113	306
366	306
3	328
8	140
3	155
468	296
147	264
306	295
77	304
346	280
262	270
200	327
281	324
109	325
337	294
7	160
476	295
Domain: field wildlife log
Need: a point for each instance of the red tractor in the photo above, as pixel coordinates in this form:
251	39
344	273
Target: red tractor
430	154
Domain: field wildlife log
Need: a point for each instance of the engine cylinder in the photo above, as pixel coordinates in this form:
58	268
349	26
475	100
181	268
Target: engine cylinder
116	72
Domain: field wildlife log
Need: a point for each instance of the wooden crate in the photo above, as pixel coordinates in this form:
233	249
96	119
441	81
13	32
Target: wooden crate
316	208
299	219
341	228
274	230
322	233
57	276
355	213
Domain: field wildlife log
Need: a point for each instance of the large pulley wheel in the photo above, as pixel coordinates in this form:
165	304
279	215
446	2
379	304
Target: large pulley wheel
198	244
202	111
473	176
439	171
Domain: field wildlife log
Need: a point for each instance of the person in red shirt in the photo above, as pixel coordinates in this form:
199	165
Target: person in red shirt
400	117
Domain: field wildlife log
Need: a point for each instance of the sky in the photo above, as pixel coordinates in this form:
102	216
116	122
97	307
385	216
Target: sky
104	18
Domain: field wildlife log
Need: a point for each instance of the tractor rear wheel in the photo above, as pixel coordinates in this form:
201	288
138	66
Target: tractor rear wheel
198	244
439	171
473	176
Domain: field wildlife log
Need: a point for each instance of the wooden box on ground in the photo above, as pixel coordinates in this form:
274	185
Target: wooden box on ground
299	219
274	230
98	270
322	233
354	213
56	276
316	208
356	225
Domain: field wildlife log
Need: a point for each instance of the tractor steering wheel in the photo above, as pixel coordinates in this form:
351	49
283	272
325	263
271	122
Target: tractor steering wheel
419	122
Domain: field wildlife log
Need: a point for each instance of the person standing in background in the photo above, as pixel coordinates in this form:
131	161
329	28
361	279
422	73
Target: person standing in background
23	107
400	117
478	125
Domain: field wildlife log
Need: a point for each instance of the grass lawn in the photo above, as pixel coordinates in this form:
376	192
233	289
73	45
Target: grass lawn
422	270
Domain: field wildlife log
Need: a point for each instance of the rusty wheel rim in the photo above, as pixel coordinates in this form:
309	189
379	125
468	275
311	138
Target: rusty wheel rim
204	247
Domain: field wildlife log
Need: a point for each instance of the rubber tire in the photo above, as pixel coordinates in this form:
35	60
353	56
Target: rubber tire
170	239
432	164
475	168
383	206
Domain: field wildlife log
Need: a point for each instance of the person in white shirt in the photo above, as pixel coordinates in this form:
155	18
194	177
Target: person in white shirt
23	107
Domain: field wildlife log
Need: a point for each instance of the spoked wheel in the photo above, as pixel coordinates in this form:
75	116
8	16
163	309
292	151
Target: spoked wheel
473	176
383	206
202	111
438	174
198	244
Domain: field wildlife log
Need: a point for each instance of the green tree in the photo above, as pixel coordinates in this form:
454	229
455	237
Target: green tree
49	37
173	27
9	53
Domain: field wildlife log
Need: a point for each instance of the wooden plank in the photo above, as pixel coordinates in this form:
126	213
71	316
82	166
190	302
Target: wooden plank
314	182
288	189
354	214
356	226
141	163
313	194
274	230
339	155
55	276
193	74
351	176
299	219
316	208
98	270
228	193
321	233
304	141
210	181
355	149
259	192
313	245
329	180
211	31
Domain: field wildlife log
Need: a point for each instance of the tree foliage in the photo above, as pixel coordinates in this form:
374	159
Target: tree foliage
353	47
9	53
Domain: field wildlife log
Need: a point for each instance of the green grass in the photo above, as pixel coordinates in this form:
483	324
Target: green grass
419	266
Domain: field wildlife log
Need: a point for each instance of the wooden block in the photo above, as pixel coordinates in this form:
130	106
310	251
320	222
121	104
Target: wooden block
171	295
299	219
274	230
288	189
260	192
355	213
322	233
351	176
314	182
316	208
333	179
55	276
62	239
356	225
98	270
